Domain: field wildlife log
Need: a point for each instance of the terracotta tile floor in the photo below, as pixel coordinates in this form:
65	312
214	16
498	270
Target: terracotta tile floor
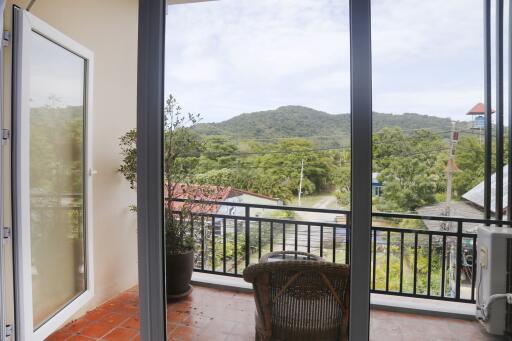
212	314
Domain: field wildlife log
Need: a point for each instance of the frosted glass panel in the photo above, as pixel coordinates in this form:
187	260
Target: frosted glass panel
56	177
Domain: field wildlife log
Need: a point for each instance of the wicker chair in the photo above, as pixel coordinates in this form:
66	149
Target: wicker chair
300	299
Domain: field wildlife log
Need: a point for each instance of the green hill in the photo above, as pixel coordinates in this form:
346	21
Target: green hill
298	121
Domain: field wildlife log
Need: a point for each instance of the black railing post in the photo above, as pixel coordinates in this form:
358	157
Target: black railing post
321	240
499	110
247	235
443	270
374	257
473	269
296	240
259	240
509	166
459	260
309	238
235	256
334	244
213	243
271	236
429	266
415	274
488	109
388	254
202	243
347	238
402	236
224	245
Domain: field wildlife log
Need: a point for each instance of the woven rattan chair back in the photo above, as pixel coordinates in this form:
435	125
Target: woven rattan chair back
300	300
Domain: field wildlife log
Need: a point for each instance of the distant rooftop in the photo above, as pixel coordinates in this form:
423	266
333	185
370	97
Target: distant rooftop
452	209
476	194
478	109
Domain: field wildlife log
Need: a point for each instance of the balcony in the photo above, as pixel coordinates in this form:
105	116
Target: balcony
420	265
212	314
410	262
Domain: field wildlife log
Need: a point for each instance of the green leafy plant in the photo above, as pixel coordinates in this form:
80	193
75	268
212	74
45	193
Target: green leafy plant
181	148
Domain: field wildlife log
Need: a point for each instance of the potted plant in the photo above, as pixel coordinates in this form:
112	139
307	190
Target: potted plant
179	250
181	146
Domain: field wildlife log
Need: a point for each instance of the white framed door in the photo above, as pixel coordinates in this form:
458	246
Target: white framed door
52	97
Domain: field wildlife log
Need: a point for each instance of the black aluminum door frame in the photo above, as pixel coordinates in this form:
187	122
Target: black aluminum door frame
361	192
150	105
150	99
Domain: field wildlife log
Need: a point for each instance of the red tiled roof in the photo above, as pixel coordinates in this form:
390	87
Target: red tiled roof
198	192
235	192
205	193
478	109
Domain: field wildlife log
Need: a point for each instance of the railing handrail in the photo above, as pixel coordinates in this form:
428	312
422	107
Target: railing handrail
347	212
445	252
268	220
272	207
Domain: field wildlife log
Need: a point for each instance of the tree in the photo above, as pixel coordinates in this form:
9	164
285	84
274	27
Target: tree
218	153
342	178
411	168
469	157
280	167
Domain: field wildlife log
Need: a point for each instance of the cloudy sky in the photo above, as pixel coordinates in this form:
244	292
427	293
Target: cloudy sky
227	57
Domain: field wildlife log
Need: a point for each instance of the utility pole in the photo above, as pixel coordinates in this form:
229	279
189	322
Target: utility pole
300	181
451	167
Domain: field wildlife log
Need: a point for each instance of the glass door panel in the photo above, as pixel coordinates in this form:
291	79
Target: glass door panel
56	176
52	101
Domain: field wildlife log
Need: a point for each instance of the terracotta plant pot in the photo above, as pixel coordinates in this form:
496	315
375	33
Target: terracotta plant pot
179	274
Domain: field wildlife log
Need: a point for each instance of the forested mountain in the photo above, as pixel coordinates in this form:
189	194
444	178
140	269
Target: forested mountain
299	121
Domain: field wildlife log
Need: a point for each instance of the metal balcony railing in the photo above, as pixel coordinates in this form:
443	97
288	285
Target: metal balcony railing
412	262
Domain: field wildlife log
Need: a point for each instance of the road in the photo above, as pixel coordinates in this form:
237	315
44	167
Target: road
325	202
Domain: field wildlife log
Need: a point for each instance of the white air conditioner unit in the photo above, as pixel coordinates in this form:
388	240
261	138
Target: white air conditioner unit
494	245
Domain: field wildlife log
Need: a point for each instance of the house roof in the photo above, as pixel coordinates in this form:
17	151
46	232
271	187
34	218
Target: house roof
452	209
235	192
478	109
476	194
206	193
198	192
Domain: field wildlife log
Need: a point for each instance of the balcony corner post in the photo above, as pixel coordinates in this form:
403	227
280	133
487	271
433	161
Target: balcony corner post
150	202
361	117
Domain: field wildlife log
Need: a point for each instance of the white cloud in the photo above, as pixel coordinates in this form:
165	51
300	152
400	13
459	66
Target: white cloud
444	102
232	56
197	70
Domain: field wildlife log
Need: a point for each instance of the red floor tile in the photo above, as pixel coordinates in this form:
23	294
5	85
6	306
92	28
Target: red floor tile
97	329
120	334
132	322
212	314
80	338
114	319
59	336
75	326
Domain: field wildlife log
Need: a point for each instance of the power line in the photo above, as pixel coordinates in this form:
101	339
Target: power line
269	152
240	138
297	151
239	165
339	148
